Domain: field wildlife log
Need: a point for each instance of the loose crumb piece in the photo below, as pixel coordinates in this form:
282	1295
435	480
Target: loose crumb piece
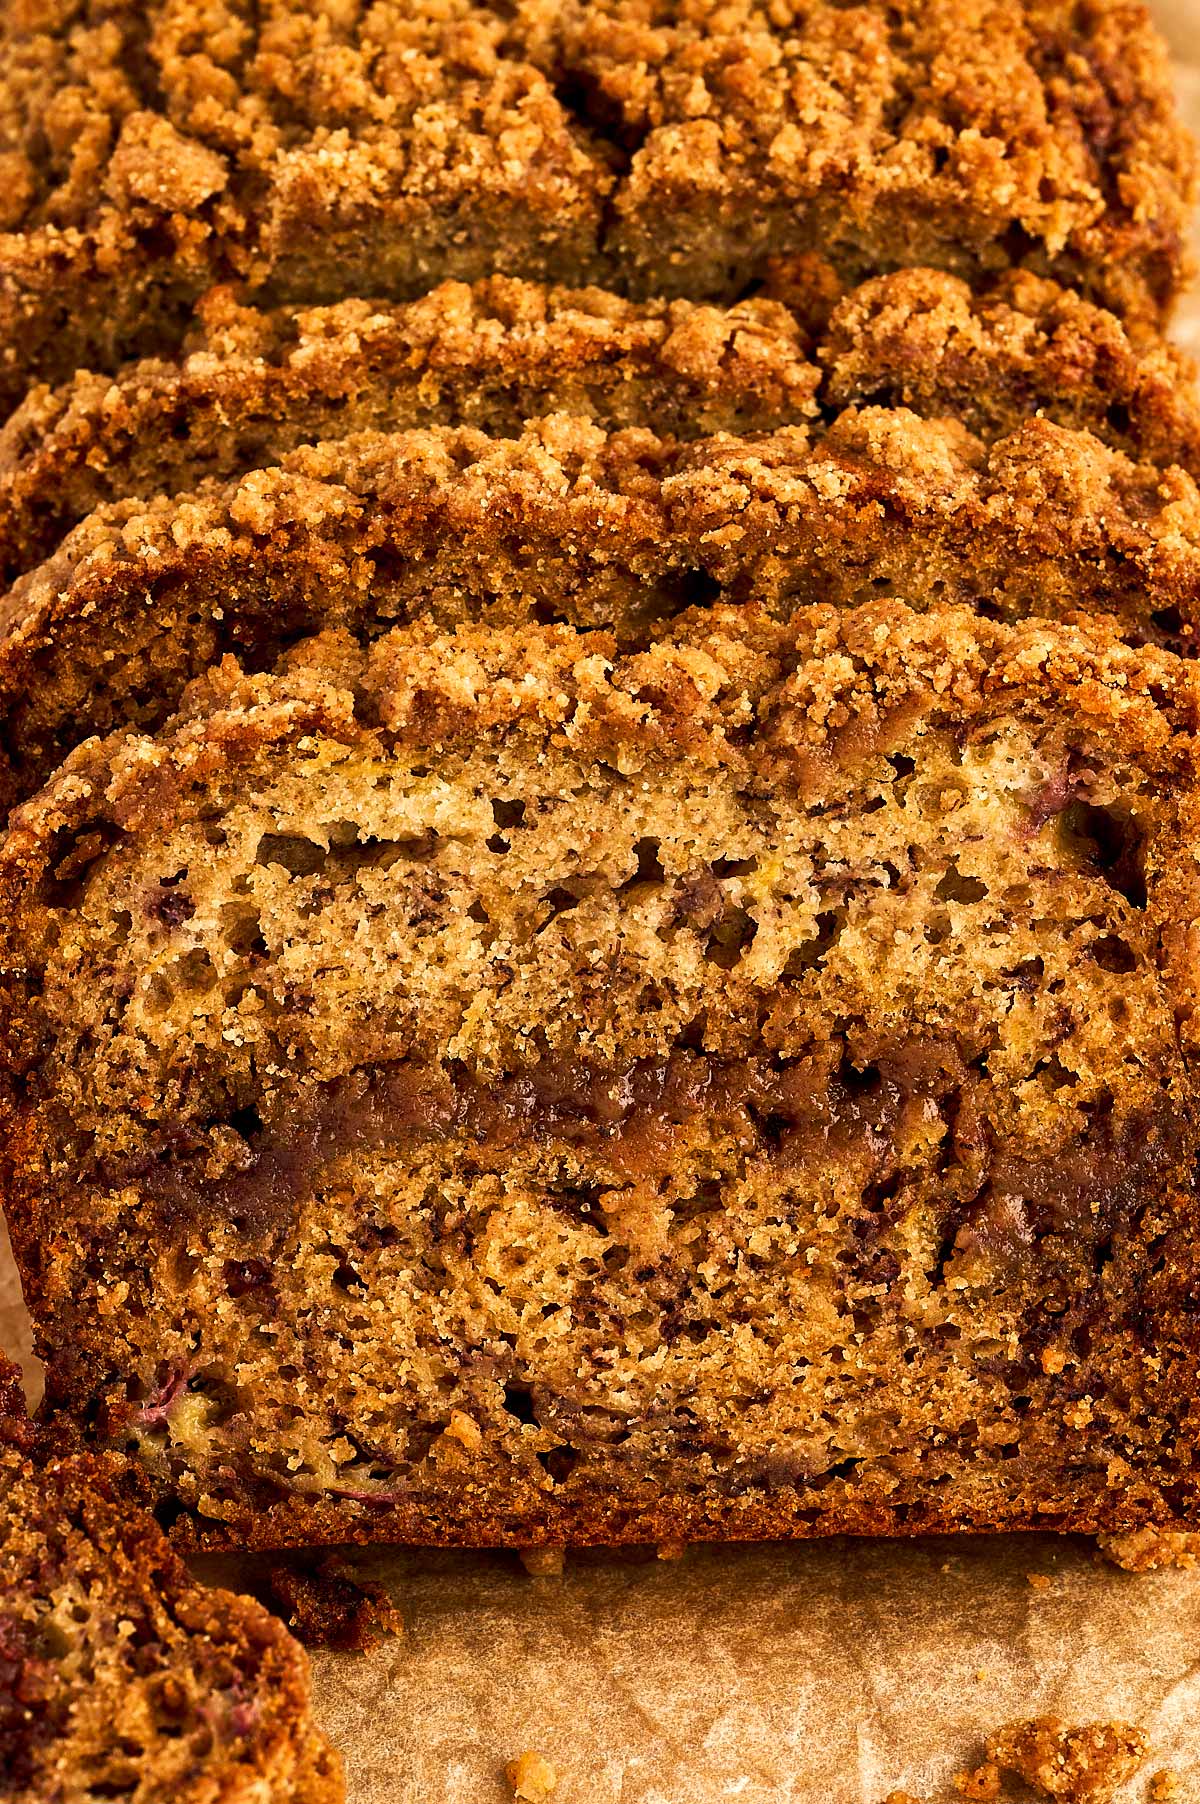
531	1777
983	1783
1149	1549
670	1550
327	1605
542	1562
1164	1787
901	1797
1086	1765
1037	1581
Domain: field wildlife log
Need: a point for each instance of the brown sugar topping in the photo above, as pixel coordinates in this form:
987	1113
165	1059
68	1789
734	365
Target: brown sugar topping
310	151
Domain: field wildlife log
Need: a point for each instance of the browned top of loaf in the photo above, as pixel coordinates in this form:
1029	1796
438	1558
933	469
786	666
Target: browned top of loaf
629	498
206	1696
820	688
1004	131
1039	113
253	383
992	357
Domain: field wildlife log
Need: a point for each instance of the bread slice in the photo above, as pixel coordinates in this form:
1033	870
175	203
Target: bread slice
151	150
566	522
976	137
994	357
487	1087
120	1677
255	383
311	152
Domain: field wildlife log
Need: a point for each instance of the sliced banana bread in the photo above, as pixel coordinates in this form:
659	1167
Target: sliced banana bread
485	1087
567	522
310	151
991	358
970	134
122	1678
252	384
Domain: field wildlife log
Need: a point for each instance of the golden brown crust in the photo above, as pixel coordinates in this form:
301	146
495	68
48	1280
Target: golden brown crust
149	150
618	530
202	1696
938	119
455	994
253	384
922	339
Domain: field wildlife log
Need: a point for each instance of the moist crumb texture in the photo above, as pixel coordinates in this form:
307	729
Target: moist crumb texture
120	1677
566	522
734	1087
313	151
252	384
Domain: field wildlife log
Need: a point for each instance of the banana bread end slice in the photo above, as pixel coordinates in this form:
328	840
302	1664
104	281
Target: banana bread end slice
120	1676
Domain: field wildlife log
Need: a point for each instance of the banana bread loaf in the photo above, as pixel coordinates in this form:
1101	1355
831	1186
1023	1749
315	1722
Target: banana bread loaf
318	150
253	383
486	1087
120	1677
566	522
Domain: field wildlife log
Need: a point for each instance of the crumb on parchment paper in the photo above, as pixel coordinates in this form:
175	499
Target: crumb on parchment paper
326	1603
1084	1765
1164	1788
531	1777
542	1562
1150	1549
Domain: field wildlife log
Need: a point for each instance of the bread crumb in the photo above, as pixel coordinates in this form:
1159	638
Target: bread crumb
1149	1549
465	1430
1164	1787
1037	1580
327	1604
542	1562
1084	1765
670	1550
531	1776
901	1797
983	1783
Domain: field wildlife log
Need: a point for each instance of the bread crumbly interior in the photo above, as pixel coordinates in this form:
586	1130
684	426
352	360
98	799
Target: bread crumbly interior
490	1084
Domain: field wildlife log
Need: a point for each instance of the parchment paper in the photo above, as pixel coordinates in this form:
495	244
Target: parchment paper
828	1673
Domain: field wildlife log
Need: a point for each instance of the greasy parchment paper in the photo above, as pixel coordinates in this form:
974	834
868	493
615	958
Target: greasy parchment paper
827	1673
